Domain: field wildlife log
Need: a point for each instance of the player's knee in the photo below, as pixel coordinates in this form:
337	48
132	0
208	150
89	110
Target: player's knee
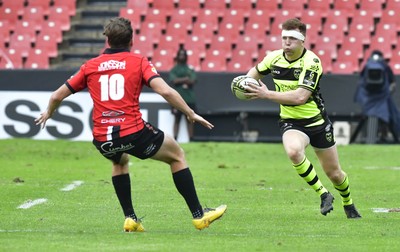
124	160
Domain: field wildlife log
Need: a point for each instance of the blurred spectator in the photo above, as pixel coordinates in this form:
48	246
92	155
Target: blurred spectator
183	77
374	93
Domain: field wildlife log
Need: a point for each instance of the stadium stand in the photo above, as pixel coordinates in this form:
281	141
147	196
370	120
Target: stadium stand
69	31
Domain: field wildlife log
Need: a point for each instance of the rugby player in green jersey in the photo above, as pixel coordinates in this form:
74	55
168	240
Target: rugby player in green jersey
296	73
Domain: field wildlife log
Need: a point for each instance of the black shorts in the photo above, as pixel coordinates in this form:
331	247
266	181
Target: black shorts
321	136
142	144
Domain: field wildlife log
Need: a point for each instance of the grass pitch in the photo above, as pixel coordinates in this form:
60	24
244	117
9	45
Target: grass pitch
270	208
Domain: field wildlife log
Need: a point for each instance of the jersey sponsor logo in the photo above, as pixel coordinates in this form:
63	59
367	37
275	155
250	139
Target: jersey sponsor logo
314	68
111	64
113	120
153	69
316	60
112	113
109	150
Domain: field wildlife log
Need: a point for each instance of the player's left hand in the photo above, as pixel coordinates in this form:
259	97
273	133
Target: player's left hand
42	119
257	91
197	118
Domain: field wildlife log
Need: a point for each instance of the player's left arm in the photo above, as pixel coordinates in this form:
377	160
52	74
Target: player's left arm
55	100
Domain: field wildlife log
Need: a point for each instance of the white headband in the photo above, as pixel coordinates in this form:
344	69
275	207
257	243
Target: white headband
293	33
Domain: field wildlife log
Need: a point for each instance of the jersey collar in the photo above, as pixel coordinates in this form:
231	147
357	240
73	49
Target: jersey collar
115	50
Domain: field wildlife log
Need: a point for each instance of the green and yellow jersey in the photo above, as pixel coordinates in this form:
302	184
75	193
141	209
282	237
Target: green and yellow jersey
304	72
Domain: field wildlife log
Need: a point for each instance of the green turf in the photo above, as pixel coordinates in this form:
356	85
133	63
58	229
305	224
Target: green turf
270	208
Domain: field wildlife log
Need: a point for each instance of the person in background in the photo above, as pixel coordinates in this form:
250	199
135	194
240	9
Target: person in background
374	93
115	80
183	77
296	73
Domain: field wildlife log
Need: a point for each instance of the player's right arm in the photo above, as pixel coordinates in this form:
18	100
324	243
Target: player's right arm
174	99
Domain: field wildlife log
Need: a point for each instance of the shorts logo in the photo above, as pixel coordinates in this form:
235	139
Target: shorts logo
329	136
149	149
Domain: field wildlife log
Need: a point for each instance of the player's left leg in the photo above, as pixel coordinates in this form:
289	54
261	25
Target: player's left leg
330	163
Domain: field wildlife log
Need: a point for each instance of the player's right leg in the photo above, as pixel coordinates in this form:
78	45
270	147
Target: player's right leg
172	154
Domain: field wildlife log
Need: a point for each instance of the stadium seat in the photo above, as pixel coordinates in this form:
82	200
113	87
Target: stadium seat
213	62
170	42
232	25
26	28
10	15
141	6
335	29
152	30
13	59
197	45
156	16
240	61
21	43
47	43
296	7
388	31
143	45
339	18
16	6
381	43
34	15
393	4
208	17
361	31
182	16
165	6
280	17
314	25
273	42
203	30
41	4
163	59
395	61
375	7
258	23
193	6
390	16
218	6
327	46
348	55
354	43
344	68
347	7
325	55
365	18
221	45
242	6
69	5
133	15
37	59
248	44
270	7
61	15
52	27
194	59
5	30
322	7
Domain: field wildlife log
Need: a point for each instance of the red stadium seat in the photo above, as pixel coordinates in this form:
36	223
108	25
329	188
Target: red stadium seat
156	16
348	7
354	43
54	28
270	7
280	17
152	30
339	18
204	31
314	25
47	43
15	5
361	31
21	43
61	15
13	60
294	6
365	18
381	43
208	17
327	46
247	44
26	28
213	62
165	6
258	23
375	7
69	5
325	55
335	29
183	17
194	59
273	42
141	6
218	6
170	42
390	16
42	4
37	59
163	59
242	6
392	4
395	61
220	45
322	7
232	24
197	45
133	15
348	55
35	15
388	31
5	30
241	61
192	5
10	15
344	68
143	45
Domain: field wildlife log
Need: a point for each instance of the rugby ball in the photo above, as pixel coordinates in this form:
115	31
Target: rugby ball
239	87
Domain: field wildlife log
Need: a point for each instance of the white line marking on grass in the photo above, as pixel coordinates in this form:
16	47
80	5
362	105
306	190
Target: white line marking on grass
385	210
394	168
31	203
72	186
